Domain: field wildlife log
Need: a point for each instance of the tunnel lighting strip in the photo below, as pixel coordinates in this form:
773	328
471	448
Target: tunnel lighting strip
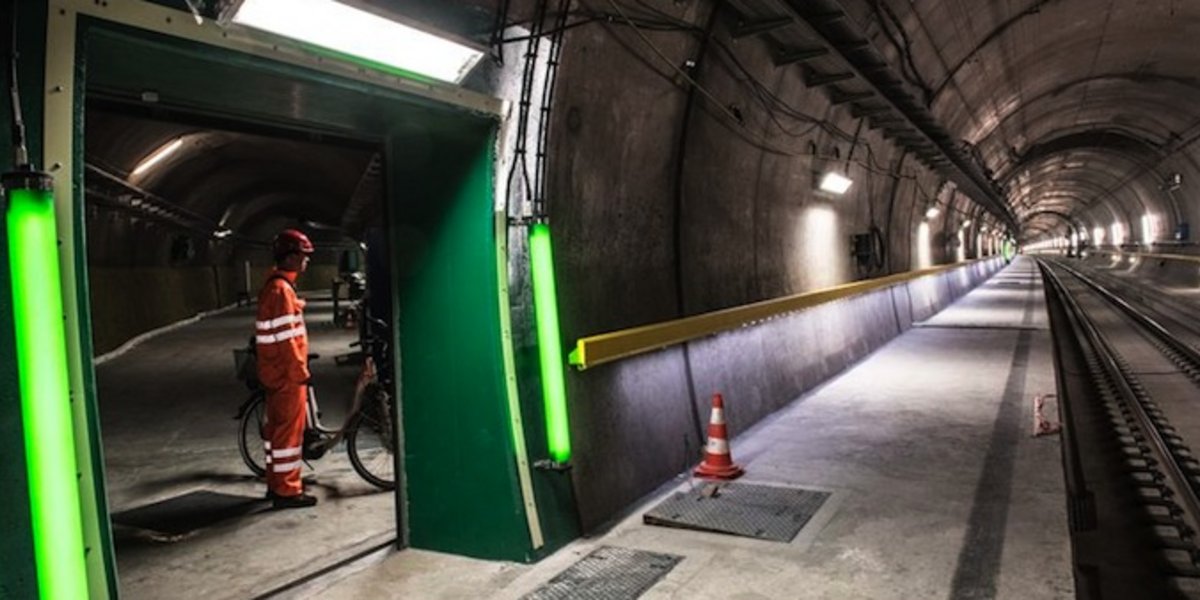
45	396
545	300
358	33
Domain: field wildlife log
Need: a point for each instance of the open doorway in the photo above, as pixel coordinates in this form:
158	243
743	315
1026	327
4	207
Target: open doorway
180	215
464	482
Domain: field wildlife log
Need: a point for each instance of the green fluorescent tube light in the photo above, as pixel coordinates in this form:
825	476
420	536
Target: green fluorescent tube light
545	302
45	396
348	30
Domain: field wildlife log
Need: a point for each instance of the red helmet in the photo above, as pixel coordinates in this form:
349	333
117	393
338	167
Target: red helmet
289	241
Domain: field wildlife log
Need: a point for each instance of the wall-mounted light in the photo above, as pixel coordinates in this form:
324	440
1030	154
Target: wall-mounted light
835	183
157	156
358	33
1149	228
550	356
221	234
932	211
45	394
966	224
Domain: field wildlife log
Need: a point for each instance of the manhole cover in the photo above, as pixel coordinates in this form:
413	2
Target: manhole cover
189	512
608	573
757	511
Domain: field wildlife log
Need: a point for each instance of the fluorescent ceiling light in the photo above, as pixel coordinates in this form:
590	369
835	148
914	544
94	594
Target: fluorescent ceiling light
835	183
157	156
932	212
352	31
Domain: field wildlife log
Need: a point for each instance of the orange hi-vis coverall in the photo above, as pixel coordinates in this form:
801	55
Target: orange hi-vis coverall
282	346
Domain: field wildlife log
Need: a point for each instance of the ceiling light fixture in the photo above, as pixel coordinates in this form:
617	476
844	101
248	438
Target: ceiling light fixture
835	183
157	156
358	33
932	211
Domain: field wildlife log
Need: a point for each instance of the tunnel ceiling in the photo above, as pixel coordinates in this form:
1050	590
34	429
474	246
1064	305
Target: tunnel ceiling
1058	111
1080	108
224	179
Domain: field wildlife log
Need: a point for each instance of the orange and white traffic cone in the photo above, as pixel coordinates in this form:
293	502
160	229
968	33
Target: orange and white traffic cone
718	463
1042	425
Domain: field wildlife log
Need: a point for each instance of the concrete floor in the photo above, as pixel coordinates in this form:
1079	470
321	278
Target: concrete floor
167	409
939	491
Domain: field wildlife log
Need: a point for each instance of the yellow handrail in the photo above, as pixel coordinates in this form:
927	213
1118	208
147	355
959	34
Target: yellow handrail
607	347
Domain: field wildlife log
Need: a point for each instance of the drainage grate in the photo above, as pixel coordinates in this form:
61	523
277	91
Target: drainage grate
608	573
189	512
757	511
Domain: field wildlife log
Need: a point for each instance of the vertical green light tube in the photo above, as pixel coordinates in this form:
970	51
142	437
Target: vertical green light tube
1009	250
545	301
45	396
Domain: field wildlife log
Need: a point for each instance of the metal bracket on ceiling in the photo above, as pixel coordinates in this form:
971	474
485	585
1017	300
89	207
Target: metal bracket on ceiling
824	33
840	97
748	28
815	79
796	55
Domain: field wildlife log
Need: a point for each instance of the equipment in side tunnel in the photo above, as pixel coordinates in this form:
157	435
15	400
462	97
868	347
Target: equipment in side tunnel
350	276
869	251
1183	232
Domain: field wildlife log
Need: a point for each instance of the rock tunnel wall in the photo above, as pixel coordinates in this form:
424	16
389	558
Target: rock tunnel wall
127	301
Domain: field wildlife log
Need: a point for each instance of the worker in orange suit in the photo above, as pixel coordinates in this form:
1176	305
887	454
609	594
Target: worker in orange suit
282	347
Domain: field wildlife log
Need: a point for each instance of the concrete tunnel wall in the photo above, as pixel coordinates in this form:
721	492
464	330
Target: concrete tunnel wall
751	227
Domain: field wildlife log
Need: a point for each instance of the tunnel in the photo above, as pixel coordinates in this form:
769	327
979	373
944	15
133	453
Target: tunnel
633	298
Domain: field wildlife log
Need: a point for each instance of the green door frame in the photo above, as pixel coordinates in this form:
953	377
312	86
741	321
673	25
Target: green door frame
61	146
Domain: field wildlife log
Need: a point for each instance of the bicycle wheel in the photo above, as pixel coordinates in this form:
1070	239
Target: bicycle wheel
250	436
371	441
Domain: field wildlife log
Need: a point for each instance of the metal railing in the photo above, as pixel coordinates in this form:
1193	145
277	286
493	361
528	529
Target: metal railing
603	348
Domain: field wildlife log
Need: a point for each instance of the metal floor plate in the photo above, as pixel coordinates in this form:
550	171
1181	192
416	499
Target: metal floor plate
191	511
608	573
757	511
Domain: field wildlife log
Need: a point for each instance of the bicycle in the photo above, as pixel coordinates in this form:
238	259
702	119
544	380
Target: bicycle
369	428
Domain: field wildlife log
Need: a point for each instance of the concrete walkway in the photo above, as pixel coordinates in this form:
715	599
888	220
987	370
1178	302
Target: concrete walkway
939	491
168	434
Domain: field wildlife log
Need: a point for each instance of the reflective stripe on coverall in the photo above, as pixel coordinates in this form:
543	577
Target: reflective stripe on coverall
282	347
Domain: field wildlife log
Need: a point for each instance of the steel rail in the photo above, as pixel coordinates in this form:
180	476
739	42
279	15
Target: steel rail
1081	504
1188	353
1181	486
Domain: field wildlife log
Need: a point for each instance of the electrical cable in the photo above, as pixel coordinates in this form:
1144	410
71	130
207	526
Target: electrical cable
499	24
20	152
769	100
677	227
529	69
908	68
543	134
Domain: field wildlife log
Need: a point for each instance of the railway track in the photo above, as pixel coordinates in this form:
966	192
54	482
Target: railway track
1129	383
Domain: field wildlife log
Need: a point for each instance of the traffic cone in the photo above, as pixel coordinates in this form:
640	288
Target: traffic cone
1042	425
718	463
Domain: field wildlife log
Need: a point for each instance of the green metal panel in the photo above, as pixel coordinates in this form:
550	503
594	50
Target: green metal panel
463	495
19	579
462	489
462	485
97	525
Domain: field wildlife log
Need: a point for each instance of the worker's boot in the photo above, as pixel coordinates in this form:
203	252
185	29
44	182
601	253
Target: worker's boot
298	501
